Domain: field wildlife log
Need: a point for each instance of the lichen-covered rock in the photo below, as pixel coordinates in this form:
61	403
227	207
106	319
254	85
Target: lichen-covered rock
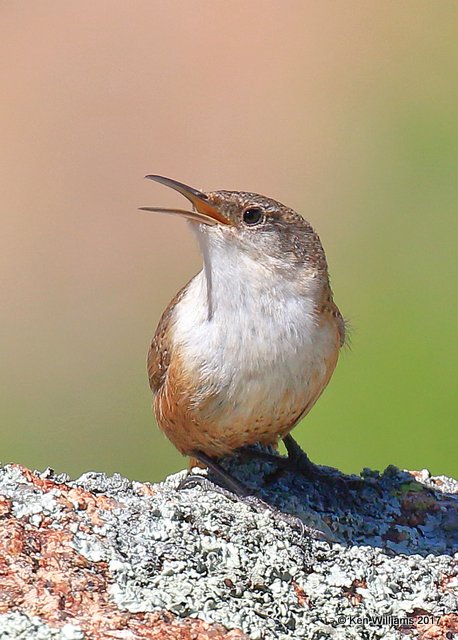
105	557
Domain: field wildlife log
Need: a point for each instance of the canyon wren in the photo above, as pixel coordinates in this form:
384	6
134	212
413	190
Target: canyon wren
245	349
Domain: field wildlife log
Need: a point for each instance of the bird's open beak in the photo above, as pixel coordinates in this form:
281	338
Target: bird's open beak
205	212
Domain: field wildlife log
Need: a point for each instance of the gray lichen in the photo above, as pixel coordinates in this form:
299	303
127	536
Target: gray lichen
201	554
18	626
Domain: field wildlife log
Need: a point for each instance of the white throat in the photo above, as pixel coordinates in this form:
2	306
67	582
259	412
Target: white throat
246	330
237	282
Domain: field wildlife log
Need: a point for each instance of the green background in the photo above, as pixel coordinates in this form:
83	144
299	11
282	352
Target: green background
347	111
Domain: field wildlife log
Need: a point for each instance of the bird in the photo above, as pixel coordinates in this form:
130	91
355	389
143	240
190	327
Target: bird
245	349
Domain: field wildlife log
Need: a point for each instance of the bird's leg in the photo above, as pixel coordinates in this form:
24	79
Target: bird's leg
299	460
228	481
233	488
296	460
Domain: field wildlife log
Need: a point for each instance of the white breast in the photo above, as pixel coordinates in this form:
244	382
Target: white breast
249	336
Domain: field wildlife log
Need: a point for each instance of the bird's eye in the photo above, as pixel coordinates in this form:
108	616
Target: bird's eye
253	216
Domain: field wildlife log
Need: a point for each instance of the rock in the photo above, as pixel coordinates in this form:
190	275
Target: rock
103	557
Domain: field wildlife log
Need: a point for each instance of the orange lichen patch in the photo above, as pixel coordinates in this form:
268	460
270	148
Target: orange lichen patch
448	583
444	629
86	501
42	575
162	625
5	506
70	498
45	484
351	593
418	475
302	597
146	489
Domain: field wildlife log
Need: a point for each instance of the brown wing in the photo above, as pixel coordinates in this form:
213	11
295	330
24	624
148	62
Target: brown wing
159	353
342	329
329	306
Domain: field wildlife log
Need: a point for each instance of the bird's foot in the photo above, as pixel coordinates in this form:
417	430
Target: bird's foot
297	461
225	478
301	463
193	480
235	490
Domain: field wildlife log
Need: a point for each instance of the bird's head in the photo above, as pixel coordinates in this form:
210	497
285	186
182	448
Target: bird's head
251	226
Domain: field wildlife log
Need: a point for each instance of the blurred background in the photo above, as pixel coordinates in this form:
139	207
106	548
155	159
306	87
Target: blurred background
346	111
